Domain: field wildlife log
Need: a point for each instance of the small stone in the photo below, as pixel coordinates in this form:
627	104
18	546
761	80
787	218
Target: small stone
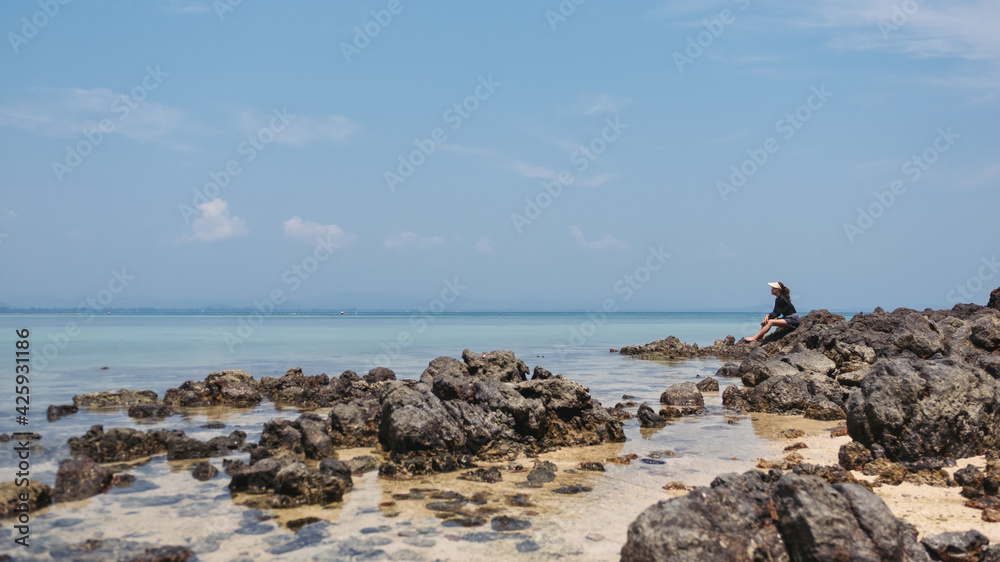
991	515
592	466
296	524
504	523
596	537
520	500
796	446
792	434
674	486
204	471
574	489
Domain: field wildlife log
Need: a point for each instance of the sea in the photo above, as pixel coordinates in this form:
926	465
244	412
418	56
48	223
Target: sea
379	519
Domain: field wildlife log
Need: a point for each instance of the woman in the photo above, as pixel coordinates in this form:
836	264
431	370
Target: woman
782	307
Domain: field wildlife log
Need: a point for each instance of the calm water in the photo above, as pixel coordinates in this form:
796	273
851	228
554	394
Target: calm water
167	506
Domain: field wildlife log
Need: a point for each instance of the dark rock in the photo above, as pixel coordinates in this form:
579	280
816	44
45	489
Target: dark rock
256	478
55	412
379	374
592	466
648	418
304	486
955	547
355	424
502	366
115	398
39	496
118	444
303	438
926	408
504	523
734	398
225	388
79	478
489	476
709	384
543	472
756	516
684	396
150	410
728	370
815	396
994	301
572	490
540	374
165	554
854	455
414	419
204	471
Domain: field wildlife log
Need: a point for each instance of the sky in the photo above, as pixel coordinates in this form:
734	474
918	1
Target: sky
518	155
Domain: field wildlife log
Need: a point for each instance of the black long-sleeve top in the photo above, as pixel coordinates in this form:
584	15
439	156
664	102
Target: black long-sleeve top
782	307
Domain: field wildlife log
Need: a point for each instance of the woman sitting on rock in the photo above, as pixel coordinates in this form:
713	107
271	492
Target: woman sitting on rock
782	307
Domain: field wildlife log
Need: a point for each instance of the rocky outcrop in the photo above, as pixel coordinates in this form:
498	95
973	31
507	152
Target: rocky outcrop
355	424
285	482
55	412
757	516
915	408
150	410
812	370
115	399
226	388
125	444
484	408
80	478
11	502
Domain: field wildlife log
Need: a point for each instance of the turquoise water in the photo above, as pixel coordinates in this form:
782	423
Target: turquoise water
160	352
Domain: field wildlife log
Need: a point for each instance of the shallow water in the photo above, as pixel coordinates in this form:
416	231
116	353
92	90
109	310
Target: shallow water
167	506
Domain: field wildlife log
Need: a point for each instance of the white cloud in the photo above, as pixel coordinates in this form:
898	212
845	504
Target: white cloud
485	245
68	112
309	231
302	129
607	242
405	239
595	181
214	223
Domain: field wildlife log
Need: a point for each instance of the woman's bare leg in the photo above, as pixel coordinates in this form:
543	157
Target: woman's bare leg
767	327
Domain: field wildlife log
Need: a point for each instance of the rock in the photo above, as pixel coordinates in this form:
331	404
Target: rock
55	412
685	396
489	476
379	374
648	418
235	388
115	399
543	472
667	348
728	370
165	554
39	496
125	444
117	445
150	410
502	366
803	362
414	419
80	478
734	398
591	466
504	523
355	424
483	409
854	455
954	547
302	438
815	396
755	516
994	302
304	486
362	464
911	407
709	384
204	471
540	374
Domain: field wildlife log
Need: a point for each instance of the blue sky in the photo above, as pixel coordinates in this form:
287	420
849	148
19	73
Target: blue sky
537	155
